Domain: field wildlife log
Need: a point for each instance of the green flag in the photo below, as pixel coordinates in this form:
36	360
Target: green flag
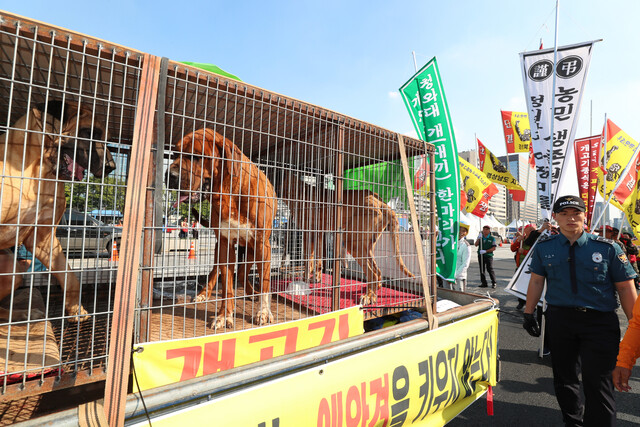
424	97
386	179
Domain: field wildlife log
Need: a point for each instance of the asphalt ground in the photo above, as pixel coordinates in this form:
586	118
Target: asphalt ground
524	394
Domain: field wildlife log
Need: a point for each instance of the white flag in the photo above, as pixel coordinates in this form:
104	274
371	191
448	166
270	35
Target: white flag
571	71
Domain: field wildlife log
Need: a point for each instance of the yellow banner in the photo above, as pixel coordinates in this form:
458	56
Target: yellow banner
478	188
426	380
161	363
498	173
620	148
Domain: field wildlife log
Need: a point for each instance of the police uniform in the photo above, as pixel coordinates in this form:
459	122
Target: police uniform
485	261
582	324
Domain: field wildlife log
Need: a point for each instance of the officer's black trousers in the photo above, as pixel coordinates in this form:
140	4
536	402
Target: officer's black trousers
486	264
585	342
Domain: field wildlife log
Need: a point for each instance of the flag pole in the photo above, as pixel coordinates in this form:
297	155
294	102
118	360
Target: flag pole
553	109
415	64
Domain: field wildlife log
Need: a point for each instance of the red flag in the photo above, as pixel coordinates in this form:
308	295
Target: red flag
540	43
587	153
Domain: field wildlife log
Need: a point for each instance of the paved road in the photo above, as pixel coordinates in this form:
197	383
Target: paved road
524	395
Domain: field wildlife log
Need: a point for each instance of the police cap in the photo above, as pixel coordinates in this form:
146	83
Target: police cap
568	202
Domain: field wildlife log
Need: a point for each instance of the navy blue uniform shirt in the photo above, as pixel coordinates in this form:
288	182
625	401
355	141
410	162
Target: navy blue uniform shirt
583	275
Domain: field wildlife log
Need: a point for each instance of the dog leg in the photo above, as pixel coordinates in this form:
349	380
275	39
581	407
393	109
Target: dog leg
226	260
205	293
60	269
263	256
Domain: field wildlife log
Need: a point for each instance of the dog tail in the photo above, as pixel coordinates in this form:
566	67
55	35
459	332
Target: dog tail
394	227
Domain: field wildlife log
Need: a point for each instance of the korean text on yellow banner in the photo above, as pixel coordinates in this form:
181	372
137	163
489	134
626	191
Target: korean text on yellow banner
498	173
478	187
517	133
439	374
161	363
620	148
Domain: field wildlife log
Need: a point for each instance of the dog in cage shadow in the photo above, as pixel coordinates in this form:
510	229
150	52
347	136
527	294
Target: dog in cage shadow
364	217
243	206
51	144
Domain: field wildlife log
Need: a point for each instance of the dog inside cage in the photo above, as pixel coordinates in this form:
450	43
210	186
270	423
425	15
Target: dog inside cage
262	210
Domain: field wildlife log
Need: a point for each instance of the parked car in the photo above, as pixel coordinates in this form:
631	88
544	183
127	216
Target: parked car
78	232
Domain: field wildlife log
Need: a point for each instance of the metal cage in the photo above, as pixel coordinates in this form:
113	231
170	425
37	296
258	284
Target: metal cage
228	207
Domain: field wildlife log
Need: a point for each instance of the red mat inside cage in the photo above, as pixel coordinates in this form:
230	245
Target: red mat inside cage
320	296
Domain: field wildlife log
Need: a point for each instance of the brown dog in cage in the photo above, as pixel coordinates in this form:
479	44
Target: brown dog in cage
364	217
243	205
52	144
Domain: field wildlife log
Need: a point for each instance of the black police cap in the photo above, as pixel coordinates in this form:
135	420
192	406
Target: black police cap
568	202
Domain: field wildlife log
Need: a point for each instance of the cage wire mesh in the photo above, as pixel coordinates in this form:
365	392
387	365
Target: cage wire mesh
66	128
263	210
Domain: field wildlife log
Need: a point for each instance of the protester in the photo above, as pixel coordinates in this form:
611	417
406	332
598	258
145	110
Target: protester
486	246
195	225
463	259
184	228
632	254
521	249
629	351
583	272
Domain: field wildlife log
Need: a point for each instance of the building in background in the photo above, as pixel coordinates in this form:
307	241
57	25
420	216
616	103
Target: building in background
528	210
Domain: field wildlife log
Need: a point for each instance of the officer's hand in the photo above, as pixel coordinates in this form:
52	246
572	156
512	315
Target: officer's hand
621	378
531	325
482	252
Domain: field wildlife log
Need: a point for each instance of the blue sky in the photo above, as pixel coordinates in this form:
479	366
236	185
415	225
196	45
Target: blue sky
352	56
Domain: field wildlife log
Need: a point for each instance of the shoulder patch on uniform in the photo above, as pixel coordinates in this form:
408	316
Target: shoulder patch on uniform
623	258
544	238
604	240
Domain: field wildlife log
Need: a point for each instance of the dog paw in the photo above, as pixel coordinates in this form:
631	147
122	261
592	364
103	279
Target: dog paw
201	298
368	299
221	322
264	317
77	313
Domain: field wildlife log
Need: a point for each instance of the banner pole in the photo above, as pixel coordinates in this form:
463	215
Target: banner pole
552	195
415	64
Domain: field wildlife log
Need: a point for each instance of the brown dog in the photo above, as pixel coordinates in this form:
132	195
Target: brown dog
364	217
37	154
243	205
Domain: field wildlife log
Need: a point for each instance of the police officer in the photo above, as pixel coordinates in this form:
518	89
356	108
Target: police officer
583	273
486	246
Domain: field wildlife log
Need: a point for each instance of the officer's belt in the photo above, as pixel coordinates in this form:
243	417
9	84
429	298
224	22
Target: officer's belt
580	309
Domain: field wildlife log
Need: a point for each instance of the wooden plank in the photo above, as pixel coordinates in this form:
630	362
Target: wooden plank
128	269
433	321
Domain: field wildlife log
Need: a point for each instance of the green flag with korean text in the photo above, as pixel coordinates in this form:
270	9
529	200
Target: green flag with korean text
424	97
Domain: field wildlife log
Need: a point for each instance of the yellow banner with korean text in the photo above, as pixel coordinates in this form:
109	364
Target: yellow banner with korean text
517	132
498	173
477	187
620	151
423	380
162	363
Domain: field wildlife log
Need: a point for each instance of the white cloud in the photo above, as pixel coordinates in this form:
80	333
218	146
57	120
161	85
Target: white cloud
394	95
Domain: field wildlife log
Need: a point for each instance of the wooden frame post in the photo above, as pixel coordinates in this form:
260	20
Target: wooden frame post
337	236
433	322
128	270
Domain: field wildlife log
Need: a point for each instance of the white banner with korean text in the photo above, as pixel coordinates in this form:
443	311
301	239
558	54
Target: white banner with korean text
572	65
